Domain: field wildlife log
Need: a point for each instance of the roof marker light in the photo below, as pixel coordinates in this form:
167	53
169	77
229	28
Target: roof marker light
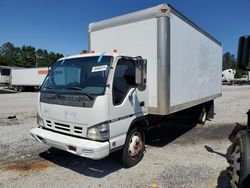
164	10
87	52
84	52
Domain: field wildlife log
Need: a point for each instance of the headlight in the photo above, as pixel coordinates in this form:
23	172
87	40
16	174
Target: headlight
39	120
99	132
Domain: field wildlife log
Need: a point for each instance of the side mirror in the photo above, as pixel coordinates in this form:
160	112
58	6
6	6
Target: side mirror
140	73
243	58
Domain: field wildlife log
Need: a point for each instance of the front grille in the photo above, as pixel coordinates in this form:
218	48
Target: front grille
77	129
65	128
48	123
62	126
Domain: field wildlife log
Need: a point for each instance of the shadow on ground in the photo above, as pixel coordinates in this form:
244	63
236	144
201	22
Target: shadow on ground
7	91
169	129
223	180
87	167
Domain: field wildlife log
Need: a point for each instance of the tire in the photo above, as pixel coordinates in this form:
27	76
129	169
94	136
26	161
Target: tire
134	147
239	169
203	116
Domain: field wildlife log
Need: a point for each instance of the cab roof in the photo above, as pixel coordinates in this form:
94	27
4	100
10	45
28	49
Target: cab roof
91	55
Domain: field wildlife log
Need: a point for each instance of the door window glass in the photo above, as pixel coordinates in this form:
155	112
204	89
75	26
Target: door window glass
124	79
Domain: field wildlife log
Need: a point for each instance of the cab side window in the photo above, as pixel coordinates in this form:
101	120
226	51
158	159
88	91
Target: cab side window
124	80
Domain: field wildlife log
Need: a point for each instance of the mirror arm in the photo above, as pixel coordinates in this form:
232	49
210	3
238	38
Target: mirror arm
131	94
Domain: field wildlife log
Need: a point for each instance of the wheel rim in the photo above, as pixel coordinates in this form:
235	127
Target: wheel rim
204	115
235	167
135	145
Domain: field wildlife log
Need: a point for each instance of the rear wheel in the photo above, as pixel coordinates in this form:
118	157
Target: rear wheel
240	161
203	116
134	147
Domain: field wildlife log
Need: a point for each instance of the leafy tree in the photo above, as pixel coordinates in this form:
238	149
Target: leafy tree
8	53
229	61
26	56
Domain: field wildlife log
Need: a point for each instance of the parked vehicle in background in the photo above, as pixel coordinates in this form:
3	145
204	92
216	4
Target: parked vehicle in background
104	100
228	76
240	156
244	80
28	78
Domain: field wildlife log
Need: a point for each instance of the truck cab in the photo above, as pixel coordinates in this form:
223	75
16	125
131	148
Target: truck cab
89	102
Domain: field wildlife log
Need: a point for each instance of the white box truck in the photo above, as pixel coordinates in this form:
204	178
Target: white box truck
149	63
28	78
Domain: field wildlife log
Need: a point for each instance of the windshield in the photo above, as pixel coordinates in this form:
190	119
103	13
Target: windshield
86	75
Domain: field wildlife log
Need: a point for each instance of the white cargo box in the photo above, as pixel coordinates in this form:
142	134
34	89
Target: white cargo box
184	63
28	76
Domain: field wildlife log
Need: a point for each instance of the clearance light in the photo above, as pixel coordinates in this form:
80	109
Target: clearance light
84	52
87	52
115	50
164	10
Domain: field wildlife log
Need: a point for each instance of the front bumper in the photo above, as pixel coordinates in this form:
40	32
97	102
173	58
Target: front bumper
82	147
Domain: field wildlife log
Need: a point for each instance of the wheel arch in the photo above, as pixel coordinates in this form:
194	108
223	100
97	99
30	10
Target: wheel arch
140	122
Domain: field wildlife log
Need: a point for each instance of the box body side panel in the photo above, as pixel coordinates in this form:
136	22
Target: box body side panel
195	64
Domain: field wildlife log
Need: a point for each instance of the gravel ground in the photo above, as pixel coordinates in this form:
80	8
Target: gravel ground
175	154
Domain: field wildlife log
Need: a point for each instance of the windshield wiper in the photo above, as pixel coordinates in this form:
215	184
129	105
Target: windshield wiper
48	87
88	95
84	93
74	88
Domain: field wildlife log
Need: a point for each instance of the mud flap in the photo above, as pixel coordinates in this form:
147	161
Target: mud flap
210	110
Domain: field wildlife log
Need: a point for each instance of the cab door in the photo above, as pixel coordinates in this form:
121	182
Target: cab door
126	100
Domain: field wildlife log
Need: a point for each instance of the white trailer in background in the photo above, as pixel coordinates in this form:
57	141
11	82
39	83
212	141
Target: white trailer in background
97	103
28	78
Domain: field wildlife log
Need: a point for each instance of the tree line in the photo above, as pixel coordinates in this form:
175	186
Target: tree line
26	56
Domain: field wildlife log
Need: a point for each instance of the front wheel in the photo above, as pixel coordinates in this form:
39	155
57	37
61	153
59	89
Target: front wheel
134	147
240	161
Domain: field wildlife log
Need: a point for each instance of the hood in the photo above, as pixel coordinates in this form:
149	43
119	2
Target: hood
78	115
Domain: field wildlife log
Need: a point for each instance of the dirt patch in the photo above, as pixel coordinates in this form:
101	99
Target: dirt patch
28	166
18	120
9	122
